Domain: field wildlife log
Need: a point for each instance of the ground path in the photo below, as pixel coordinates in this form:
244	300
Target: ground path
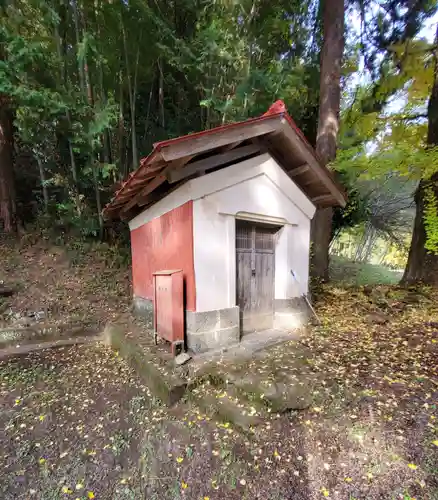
77	422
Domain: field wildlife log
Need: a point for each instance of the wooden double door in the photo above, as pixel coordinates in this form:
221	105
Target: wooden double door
255	265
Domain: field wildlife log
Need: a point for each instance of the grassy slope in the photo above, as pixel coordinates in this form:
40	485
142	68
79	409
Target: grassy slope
347	272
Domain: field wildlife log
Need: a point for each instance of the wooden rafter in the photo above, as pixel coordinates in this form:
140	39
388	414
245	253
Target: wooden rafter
221	138
299	170
322	198
140	198
201	166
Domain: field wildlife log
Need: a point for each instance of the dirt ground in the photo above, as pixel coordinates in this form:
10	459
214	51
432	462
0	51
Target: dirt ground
78	282
77	423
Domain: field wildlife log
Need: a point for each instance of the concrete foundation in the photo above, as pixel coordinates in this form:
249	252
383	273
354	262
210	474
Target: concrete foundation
212	329
290	313
220	327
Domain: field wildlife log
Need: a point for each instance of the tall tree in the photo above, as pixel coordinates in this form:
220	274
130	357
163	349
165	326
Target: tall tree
7	185
328	123
422	264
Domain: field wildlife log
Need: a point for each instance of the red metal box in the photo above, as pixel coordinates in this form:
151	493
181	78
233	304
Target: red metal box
169	307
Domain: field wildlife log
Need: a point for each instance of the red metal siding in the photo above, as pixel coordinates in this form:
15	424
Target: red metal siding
169	307
164	243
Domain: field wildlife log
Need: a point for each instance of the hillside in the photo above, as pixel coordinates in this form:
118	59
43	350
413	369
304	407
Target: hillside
64	283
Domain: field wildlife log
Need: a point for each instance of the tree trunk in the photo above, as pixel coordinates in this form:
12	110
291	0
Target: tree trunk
78	41
422	266
328	124
60	43
123	168
43	184
132	97
161	93
8	208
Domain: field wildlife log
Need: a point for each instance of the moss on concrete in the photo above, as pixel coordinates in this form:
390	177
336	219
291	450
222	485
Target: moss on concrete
165	385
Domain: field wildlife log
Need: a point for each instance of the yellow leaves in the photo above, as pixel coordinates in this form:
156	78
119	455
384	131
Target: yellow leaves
435	442
412	466
42	461
370	475
179	459
17	401
348	479
325	492
90	495
184	485
41	418
66	490
79	486
206	498
277	455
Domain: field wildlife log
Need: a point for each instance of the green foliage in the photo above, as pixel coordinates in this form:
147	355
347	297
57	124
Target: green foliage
431	219
93	84
82	87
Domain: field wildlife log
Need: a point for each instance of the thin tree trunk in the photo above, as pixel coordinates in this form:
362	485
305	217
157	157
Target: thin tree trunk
95	165
133	115
161	93
43	184
78	41
146	123
132	97
328	124
63	83
8	207
123	171
106	152
107	157
422	266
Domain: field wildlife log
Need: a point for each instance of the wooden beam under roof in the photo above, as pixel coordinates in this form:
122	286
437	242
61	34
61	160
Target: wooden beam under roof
309	156
150	186
322	198
154	183
221	137
201	166
294	172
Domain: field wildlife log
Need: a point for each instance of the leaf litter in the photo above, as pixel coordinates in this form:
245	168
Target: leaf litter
80	416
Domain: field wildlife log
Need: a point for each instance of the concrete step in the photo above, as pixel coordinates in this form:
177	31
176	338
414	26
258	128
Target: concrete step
279	394
157	373
228	406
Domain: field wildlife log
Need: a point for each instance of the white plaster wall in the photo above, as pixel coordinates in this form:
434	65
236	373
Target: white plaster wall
255	188
214	219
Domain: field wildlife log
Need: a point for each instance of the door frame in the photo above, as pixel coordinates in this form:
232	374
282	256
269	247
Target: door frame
258	221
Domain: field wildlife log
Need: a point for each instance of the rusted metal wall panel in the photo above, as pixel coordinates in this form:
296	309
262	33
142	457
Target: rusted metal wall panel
164	243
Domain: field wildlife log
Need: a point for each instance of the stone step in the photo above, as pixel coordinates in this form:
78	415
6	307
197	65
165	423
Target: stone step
159	376
228	405
280	394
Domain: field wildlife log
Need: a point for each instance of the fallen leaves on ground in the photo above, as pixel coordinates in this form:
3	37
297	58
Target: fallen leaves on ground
370	431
